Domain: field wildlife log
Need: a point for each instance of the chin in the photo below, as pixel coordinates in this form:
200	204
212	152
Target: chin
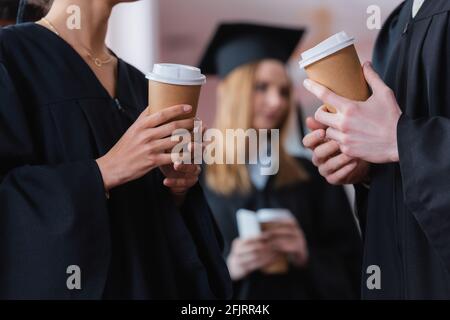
265	125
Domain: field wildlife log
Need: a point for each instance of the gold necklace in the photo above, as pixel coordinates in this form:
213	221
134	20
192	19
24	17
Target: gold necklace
97	61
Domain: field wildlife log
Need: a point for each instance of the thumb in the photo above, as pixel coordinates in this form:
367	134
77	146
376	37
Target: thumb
372	77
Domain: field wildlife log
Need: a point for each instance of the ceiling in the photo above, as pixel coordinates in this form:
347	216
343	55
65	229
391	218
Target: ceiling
185	26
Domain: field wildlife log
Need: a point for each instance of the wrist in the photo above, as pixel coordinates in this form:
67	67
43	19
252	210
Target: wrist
394	155
110	177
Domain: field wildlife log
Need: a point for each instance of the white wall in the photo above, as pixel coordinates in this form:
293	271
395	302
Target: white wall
133	33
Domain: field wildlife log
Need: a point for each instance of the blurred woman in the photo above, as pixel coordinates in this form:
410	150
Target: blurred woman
91	205
322	242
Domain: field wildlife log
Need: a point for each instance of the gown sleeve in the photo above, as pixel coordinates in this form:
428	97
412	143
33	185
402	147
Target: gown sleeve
335	253
51	216
424	150
423	136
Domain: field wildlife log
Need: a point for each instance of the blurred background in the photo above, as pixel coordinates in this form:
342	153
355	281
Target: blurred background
180	30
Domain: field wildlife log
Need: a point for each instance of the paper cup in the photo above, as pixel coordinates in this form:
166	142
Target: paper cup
269	219
335	64
248	224
174	84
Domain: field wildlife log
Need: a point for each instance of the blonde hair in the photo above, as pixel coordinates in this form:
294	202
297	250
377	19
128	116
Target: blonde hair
235	111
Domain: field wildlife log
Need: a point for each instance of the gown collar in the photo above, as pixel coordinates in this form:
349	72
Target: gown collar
81	65
430	8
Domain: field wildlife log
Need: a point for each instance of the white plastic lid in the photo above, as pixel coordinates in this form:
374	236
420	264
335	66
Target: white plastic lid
177	74
327	47
248	224
273	215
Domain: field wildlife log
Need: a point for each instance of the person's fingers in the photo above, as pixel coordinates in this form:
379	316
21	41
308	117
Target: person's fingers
187	168
326	150
161	145
251	262
245	249
180	182
170	128
248	260
327	118
282	231
335	135
372	77
287	223
266	260
178	190
166	115
339	176
316	161
313	125
170	172
313	139
325	95
144	115
283	244
334	164
248	241
162	159
255	262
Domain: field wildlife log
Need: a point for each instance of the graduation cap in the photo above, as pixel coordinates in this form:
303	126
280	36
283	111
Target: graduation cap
236	44
8	9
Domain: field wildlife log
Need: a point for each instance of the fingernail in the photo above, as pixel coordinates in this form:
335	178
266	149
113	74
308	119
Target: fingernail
307	84
187	108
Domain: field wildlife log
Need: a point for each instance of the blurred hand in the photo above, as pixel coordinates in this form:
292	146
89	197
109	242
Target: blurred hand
142	147
336	167
180	177
248	255
288	238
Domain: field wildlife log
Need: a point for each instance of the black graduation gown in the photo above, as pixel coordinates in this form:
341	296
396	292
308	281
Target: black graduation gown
55	119
323	212
408	208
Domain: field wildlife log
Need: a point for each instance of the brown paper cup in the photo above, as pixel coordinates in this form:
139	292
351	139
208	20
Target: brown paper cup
270	218
174	84
164	95
335	64
341	72
281	265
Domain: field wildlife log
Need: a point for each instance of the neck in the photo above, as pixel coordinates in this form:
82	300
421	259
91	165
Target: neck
93	22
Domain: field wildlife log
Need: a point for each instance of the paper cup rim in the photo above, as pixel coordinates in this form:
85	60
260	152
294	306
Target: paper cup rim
274	215
191	82
307	62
